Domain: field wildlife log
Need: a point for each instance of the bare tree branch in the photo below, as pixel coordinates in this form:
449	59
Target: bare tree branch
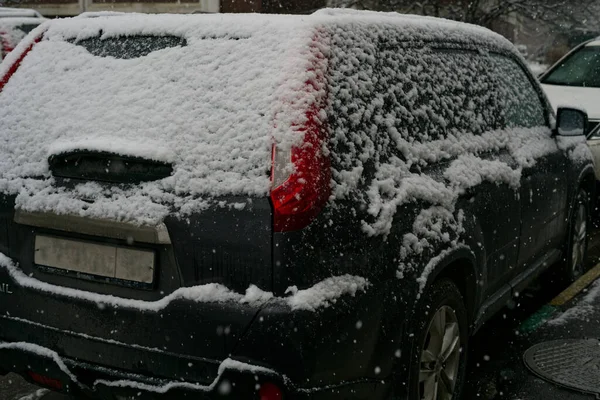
563	15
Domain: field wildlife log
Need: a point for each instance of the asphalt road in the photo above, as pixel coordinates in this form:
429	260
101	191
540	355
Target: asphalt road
496	370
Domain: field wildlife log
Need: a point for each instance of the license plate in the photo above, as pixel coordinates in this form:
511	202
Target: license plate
95	259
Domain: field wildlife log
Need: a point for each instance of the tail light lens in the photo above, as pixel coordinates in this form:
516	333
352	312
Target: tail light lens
270	391
5	46
15	65
301	176
300	197
45	380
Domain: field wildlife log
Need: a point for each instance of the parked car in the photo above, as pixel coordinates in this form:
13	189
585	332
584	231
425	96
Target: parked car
19	12
15	24
268	207
575	80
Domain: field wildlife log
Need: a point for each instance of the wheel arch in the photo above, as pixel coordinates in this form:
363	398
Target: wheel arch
460	267
587	181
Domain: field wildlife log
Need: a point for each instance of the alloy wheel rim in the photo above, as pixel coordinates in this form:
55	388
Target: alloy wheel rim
440	356
579	238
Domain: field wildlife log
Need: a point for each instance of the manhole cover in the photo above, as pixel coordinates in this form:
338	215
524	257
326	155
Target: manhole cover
574	364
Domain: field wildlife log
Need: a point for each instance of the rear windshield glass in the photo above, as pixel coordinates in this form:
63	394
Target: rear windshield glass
126	47
582	68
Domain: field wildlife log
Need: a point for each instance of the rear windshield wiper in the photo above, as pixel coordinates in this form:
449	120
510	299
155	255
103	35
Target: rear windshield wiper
107	167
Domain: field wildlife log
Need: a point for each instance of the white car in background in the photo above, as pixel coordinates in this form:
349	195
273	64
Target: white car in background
15	24
575	81
19	12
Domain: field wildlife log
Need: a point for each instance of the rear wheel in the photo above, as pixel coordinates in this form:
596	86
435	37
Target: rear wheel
439	349
577	241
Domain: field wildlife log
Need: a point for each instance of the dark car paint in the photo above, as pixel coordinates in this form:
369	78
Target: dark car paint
320	354
544	203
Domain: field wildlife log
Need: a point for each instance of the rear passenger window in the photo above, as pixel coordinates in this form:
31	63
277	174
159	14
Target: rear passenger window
522	106
433	93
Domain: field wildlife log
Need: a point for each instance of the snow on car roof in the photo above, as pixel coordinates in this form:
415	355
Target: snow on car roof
214	104
16	21
417	27
17	12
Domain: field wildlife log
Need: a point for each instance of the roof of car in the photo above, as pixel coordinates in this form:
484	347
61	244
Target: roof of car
412	26
16	21
8	12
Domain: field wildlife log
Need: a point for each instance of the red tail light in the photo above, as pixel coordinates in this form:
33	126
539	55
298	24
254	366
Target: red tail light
45	381
270	391
15	65
6	46
300	198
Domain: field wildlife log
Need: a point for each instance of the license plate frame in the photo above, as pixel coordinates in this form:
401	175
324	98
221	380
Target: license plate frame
89	260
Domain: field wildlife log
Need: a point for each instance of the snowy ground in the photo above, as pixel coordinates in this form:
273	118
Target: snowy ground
13	387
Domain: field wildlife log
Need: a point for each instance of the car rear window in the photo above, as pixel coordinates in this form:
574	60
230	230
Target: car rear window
127	47
581	68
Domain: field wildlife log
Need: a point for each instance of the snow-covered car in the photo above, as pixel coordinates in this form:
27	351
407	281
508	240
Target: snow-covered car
19	12
273	207
15	24
575	81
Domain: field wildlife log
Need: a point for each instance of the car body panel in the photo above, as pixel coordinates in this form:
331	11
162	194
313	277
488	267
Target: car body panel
585	98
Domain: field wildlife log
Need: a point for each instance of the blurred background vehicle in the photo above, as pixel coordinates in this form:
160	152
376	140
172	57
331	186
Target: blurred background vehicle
6	12
575	80
15	24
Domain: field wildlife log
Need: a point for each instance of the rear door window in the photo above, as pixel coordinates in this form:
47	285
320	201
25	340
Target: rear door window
433	93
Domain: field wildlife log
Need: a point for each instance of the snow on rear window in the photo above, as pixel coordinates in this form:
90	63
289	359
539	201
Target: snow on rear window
127	47
210	93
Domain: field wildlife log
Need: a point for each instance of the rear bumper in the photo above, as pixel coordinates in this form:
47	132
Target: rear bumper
181	348
235	380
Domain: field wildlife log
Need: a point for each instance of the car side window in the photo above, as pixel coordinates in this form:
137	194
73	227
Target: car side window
522	106
431	93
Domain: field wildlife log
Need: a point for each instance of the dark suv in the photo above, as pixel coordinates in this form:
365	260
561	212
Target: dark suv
273	207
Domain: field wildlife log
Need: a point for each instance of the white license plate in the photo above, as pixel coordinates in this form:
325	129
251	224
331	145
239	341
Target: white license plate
95	259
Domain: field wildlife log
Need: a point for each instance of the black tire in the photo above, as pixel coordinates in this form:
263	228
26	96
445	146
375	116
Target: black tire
442	296
573	265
